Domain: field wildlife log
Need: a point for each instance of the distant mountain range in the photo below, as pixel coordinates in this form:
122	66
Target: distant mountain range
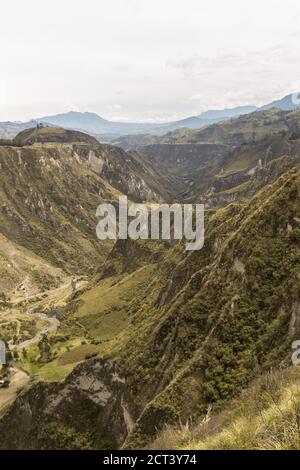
96	125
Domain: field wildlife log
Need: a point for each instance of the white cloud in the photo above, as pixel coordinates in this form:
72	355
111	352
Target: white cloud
143	60
2	93
114	107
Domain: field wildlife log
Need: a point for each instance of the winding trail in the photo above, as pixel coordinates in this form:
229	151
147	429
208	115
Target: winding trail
53	324
18	378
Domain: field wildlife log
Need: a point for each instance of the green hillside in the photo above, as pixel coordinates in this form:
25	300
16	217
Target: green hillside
140	336
234	316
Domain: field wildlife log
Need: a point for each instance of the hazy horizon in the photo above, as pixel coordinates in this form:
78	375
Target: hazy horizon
126	61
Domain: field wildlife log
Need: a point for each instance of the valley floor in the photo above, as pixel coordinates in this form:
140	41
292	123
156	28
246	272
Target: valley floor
29	326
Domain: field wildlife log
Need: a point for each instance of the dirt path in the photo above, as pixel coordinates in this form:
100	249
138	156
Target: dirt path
18	380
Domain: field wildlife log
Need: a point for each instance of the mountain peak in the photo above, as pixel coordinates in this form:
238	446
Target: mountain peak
86	121
287	103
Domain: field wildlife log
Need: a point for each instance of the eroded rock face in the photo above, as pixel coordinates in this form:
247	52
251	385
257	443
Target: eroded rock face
130	173
90	409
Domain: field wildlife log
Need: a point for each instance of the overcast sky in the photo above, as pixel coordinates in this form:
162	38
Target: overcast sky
145	60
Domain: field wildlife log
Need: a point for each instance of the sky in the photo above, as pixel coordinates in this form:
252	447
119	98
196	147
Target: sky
142	60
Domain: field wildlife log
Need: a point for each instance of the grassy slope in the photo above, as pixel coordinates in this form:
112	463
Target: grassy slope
24	274
264	417
99	324
51	134
48	202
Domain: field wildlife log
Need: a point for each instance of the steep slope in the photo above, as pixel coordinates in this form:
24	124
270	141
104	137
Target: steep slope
190	164
196	333
94	395
132	173
264	417
207	347
48	199
246	169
